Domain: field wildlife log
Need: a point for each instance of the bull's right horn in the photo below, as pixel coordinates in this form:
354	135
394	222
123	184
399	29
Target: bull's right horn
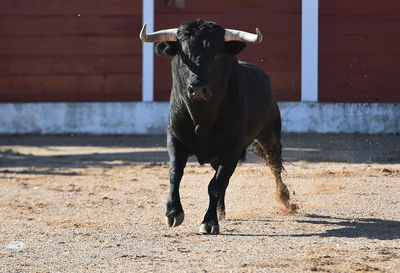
243	36
158	36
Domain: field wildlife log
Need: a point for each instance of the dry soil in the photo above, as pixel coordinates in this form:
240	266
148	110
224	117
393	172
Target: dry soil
96	204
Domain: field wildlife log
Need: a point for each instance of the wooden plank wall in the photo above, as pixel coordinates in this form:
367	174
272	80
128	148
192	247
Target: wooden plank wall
70	50
74	50
359	51
278	54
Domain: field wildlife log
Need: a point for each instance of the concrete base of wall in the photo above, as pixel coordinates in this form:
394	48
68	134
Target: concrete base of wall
152	117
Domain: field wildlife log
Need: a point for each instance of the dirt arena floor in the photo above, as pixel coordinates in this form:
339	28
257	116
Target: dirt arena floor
96	204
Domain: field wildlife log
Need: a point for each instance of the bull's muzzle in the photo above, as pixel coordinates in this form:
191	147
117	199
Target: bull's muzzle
199	92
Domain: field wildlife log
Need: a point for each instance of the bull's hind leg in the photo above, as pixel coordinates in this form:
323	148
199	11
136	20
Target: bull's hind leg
269	148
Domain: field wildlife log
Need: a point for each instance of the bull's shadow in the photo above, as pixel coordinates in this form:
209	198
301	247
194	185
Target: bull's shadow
370	228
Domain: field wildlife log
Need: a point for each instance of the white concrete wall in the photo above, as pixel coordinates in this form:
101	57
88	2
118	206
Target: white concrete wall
369	118
84	118
152	117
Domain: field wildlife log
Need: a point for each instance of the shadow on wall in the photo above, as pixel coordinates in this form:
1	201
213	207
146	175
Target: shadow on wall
349	148
80	151
108	151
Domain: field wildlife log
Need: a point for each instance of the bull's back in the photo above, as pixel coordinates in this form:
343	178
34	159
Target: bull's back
262	107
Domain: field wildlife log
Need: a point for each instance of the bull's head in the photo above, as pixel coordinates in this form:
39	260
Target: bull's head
203	54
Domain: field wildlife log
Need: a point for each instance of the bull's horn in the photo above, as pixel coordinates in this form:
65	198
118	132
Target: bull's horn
239	35
158	36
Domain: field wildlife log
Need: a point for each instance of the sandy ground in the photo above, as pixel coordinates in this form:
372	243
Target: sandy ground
96	204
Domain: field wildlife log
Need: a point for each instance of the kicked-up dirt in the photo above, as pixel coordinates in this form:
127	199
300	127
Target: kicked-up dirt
97	204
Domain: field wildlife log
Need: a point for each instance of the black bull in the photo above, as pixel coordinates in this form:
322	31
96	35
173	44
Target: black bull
218	107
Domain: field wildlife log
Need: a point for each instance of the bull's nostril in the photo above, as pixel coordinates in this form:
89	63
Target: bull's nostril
201	92
191	92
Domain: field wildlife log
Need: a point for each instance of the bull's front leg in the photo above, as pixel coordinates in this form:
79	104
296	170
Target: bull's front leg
217	188
177	161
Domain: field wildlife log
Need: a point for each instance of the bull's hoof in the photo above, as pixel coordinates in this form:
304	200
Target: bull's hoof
206	228
282	194
221	215
174	221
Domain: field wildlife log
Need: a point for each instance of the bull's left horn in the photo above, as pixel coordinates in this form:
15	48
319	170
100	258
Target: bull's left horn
243	36
158	36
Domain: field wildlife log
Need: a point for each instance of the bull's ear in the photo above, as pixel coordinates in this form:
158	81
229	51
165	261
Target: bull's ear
234	47
166	49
